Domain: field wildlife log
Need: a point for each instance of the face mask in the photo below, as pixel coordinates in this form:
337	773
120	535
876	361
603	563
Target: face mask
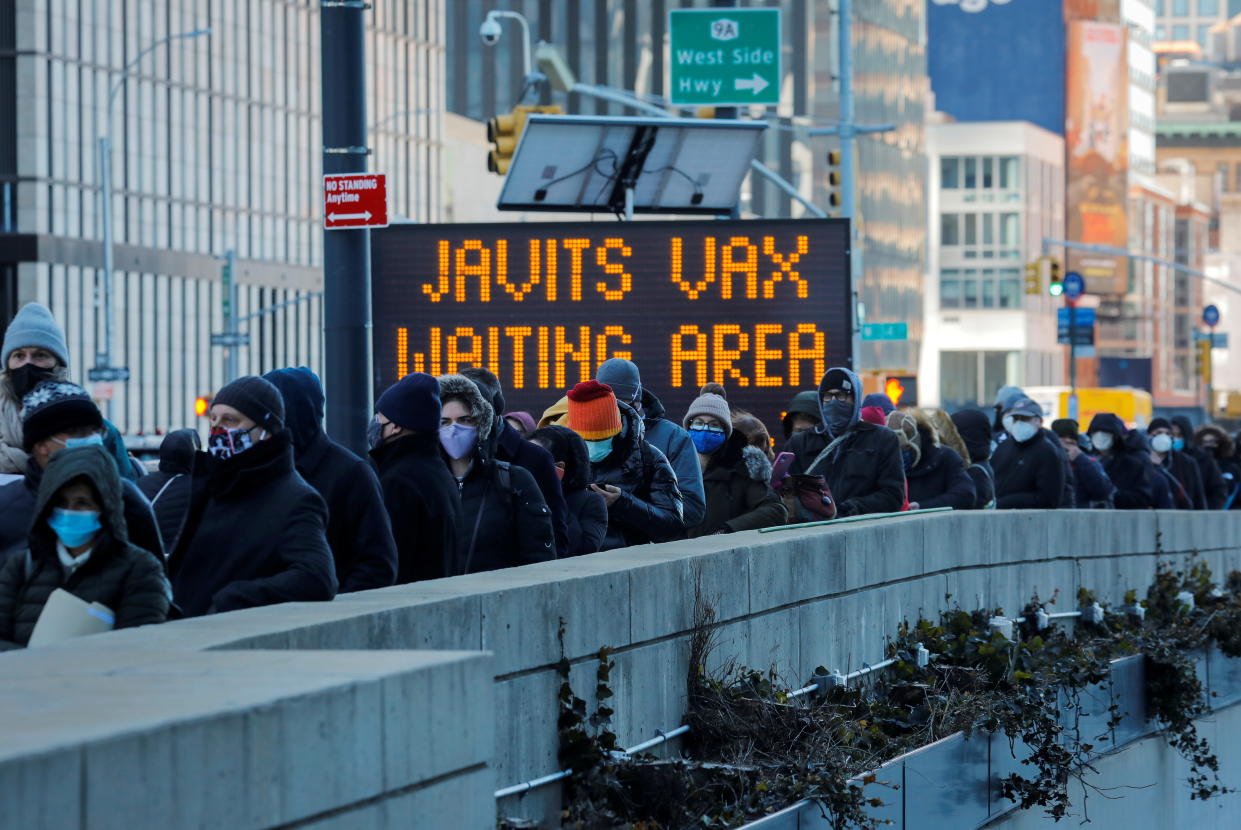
374	433
907	458
27	377
839	416
706	440
95	440
1021	431
1178	444
458	440
1161	443
1102	441
225	443
599	450
74	527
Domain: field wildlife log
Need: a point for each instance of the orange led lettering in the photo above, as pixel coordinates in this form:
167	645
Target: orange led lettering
444	283
723	357
421	364
748	267
764	353
575	247
518	291
708	267
815	353
542	362
550	282
493	349
785	264
579	354
481	268
402	353
602	352
697	355
518	335
626	281
456	356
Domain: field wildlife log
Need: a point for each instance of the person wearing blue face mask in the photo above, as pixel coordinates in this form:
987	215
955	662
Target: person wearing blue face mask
1188	492
57	415
504	521
735	475
79	543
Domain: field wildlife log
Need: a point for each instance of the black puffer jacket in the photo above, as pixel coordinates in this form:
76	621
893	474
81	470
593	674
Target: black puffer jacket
862	467
649	508
255	534
739	495
17	509
939	478
168	489
1215	489
975	430
587	521
1127	464
423	503
358	530
1190	494
128	580
504	520
1028	475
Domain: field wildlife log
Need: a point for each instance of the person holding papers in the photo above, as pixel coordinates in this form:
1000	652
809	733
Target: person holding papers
79	543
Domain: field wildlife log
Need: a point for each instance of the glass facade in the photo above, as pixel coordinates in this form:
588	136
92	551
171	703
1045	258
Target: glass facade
890	87
216	146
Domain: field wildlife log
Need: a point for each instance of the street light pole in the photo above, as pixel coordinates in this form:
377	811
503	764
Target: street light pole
103	295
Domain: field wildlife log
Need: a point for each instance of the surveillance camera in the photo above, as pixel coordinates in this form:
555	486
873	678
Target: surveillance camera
490	31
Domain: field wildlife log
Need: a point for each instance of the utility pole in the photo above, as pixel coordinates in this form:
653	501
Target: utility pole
348	370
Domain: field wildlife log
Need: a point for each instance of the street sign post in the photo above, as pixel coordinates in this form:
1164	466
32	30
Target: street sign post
885	331
1081	322
230	338
355	200
108	374
1210	316
1074	285
724	56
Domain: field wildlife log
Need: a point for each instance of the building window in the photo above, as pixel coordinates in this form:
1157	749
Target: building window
1009	235
950	289
949	229
950	173
971	228
1180	8
1208	8
1221	172
1008	172
970	294
988	179
1009	285
971	174
1180	32
1161	33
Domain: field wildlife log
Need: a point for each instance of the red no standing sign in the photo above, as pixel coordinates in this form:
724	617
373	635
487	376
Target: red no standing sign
355	200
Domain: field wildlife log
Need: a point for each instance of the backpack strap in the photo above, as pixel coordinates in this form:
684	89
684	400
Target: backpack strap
165	487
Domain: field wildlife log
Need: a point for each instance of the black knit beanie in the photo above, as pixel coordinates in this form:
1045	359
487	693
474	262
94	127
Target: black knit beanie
257	399
55	406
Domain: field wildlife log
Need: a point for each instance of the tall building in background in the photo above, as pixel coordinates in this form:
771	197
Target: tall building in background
217	146
1181	20
623	44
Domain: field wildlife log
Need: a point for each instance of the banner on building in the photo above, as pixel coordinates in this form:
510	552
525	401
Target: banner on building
1097	149
760	306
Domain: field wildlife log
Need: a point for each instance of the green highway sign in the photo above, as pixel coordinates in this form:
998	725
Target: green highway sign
725	56
885	331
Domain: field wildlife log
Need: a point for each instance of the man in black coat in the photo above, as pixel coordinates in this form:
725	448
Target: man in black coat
861	461
420	494
936	474
256	532
55	415
509	446
168	489
1214	485
358	530
1126	462
1189	493
1029	473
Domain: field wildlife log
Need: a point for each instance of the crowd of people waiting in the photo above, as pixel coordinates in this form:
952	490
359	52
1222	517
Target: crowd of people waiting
272	509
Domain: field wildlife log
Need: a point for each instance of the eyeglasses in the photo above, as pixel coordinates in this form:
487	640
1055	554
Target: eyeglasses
699	423
837	395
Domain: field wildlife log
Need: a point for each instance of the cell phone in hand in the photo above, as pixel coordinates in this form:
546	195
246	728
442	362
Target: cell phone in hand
780	469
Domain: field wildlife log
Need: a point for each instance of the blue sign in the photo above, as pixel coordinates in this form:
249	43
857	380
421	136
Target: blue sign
1210	316
885	331
1218	341
1074	285
1082	328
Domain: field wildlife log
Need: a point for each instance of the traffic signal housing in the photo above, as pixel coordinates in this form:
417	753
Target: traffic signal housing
833	177
1055	284
1034	277
1202	360
504	132
201	404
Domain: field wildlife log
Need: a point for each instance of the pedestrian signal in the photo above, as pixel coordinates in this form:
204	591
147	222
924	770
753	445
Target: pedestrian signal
201	405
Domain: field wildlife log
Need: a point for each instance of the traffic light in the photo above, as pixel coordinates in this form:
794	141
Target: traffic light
1034	279
1055	285
833	177
902	390
504	131
1203	360
201	404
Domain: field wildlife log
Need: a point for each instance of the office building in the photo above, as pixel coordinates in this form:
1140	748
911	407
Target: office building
1190	20
216	146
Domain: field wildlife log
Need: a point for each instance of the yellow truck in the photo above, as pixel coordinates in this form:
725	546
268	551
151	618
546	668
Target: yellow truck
1133	406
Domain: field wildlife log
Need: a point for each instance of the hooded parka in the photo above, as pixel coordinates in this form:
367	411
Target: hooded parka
1127	463
1215	489
739	496
650	507
255	534
938	479
862	465
504	520
128	580
358	529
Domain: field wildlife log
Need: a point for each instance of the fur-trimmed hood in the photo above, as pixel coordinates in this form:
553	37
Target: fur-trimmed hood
459	386
756	463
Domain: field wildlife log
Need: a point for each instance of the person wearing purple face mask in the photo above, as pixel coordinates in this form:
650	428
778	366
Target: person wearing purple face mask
504	521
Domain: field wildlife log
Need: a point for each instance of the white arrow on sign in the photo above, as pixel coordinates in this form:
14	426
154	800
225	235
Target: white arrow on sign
755	84
344	217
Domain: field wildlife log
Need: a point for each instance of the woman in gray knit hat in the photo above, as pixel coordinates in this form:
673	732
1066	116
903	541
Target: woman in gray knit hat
34	350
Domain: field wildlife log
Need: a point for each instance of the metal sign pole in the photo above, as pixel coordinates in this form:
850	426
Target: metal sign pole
1210	372
1073	408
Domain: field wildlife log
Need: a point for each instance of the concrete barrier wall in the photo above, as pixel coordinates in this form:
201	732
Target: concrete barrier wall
792	599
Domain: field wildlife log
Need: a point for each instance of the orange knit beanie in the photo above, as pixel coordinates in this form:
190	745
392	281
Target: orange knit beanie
593	413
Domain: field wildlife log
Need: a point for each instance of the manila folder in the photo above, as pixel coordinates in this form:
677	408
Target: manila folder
66	615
